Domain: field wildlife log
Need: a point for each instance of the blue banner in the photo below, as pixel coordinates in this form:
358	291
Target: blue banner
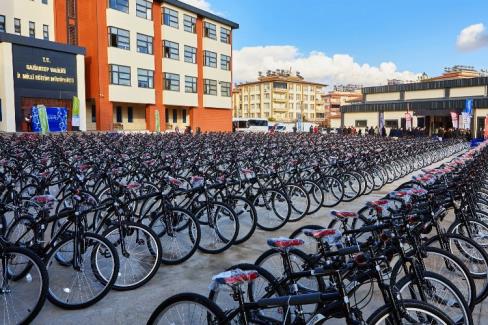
469	106
57	118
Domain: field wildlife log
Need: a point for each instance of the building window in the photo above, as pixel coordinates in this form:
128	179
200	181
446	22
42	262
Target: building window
119	75
183	115
17	26
360	123
210	59
170	17
144	44
119	38
190	54
225	89
94	114
120	5
225	35
172	82
144	9
175	116
145	78
280	85
225	62
190	84
166	115
45	32
71	7
171	50
72	39
210	87
391	124
210	31
2	23
118	114
130	114
190	24
44	2
421	122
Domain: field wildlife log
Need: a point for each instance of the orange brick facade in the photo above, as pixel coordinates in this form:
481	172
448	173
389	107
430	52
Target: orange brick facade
92	34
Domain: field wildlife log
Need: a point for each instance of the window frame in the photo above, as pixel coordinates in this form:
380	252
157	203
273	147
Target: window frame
144	40
225	35
189	24
192	84
130	114
143	4
210	87
118	114
115	31
227	90
119	5
207	28
45	32
183	116
360	124
173	20
171	86
32	29
19	26
390	122
209	59
225	64
193	53
173	50
127	75
175	115
147	74
2	24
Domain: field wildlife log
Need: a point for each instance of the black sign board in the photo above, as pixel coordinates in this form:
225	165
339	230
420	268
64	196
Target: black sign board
41	69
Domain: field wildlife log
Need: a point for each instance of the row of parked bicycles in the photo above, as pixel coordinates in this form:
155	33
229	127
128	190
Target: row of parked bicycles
83	214
416	256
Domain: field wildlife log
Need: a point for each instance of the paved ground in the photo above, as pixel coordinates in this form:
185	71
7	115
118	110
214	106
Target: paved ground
134	307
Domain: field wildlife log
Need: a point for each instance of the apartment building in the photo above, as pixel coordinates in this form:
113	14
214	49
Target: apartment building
334	100
280	96
150	64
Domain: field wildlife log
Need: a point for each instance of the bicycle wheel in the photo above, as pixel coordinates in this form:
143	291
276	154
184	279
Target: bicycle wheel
74	288
472	228
310	245
247	216
21	299
187	308
333	191
179	234
219	227
299	200
315	194
139	253
439	292
265	286
473	257
273	209
412	312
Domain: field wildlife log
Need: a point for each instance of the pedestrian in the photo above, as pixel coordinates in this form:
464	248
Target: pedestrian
376	131
360	132
383	132
28	121
310	129
294	129
371	130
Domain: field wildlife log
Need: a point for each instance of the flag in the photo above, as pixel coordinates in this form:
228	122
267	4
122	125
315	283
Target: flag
75	117
43	119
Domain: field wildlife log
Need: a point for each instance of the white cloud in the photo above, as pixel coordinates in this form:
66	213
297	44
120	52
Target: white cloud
202	4
315	66
472	37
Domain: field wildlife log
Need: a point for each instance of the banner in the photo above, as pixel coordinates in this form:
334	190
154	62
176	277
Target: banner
299	122
469	106
158	122
466	121
50	119
455	120
486	127
75	117
382	120
408	121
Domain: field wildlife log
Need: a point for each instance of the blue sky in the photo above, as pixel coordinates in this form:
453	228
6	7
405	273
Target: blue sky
415	35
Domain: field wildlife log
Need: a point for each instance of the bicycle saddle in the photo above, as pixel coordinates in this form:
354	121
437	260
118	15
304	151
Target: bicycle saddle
284	242
235	277
324	233
344	214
